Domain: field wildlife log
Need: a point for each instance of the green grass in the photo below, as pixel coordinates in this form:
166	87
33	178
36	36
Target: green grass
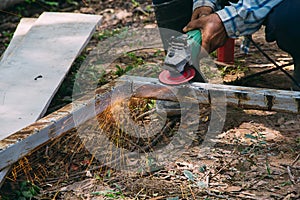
104	34
134	62
111	194
135	3
9	35
51	3
25	190
121	71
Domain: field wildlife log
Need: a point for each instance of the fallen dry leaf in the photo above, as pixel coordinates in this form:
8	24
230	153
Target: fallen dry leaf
122	14
233	189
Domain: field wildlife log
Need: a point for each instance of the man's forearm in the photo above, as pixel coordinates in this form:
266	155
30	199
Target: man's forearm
245	17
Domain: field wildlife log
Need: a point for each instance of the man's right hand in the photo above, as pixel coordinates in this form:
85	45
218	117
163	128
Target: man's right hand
213	31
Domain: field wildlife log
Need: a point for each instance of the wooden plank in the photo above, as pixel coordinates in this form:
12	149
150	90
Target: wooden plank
56	124
244	97
20	32
3	173
47	51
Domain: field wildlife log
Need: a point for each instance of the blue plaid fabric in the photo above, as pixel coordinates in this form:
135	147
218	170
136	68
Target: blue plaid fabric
242	18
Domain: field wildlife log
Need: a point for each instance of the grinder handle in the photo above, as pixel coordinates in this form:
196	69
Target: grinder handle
195	36
195	40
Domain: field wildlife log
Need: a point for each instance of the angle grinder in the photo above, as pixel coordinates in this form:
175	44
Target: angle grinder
182	59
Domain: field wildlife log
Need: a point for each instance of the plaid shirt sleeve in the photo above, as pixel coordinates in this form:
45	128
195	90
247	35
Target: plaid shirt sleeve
243	18
210	3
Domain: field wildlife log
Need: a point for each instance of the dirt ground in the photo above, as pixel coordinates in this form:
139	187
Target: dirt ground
255	156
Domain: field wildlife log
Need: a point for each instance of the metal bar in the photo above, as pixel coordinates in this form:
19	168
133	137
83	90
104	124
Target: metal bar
245	97
56	124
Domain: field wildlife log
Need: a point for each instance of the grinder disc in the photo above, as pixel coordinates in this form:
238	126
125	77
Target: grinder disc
175	79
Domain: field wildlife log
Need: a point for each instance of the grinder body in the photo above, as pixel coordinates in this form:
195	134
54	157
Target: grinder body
182	59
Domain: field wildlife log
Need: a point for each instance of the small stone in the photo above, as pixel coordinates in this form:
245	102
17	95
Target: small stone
123	14
280	121
87	10
290	122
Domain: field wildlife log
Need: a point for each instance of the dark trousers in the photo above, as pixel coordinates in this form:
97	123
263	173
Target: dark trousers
172	16
283	26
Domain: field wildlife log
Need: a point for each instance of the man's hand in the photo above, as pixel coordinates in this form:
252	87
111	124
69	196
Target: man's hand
201	11
213	32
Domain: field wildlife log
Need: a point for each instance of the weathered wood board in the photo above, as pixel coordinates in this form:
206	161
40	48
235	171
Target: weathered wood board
56	124
22	29
19	34
32	73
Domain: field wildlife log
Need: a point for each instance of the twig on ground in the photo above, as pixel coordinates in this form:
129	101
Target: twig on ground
207	180
292	178
137	195
216	195
246	197
157	198
292	167
296	160
192	192
145	114
222	168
